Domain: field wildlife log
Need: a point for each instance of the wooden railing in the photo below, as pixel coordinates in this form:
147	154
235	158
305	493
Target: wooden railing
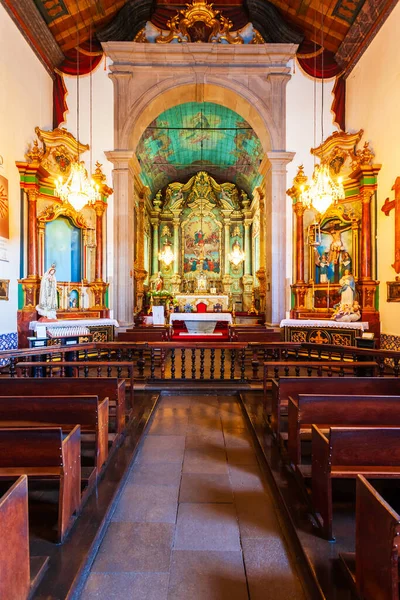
203	361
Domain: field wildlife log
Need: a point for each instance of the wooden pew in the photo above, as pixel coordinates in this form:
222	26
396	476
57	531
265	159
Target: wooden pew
253	333
374	568
14	542
110	387
346	410
46	454
292	386
63	411
346	452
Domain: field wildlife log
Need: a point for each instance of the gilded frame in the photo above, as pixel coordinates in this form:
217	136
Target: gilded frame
4	289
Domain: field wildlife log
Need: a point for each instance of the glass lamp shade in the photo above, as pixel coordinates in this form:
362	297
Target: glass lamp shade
323	190
77	189
237	255
166	256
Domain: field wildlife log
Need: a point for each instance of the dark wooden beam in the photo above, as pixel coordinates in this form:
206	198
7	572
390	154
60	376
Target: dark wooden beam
34	29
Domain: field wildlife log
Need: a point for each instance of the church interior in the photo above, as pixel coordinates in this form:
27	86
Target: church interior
199	299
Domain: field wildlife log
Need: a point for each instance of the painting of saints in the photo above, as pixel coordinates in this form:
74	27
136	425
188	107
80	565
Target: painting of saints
201	245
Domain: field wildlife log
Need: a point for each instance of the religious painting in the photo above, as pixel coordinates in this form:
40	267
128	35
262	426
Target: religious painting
334	255
63	246
393	290
201	245
4	208
4	289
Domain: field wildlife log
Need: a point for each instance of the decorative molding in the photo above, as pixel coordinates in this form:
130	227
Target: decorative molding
367	24
33	27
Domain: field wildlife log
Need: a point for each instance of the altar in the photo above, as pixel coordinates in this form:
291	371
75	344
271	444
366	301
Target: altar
200	323
210	300
320	331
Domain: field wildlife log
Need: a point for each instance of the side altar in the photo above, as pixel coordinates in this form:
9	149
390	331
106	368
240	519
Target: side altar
335	271
60	238
322	331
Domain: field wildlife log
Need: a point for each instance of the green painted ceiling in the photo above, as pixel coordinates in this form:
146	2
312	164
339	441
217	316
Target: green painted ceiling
199	136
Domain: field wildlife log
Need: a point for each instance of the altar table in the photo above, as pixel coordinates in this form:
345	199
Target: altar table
322	331
200	323
102	330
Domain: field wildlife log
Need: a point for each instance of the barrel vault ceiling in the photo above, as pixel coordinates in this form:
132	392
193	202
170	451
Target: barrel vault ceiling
195	136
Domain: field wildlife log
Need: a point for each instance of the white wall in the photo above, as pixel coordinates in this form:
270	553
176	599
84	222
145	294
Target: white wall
102	134
25	102
372	104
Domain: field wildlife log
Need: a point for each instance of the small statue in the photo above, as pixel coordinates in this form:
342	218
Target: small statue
48	303
158	283
323	264
346	263
348	288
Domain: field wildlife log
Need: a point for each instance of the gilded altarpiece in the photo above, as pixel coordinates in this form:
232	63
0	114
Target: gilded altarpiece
201	221
327	246
55	232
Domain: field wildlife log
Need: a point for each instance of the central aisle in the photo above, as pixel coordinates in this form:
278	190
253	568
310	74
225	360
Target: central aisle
195	520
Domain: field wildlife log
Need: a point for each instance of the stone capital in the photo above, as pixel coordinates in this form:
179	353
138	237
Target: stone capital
123	160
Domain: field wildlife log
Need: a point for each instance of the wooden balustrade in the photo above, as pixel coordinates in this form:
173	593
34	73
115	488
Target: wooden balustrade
223	361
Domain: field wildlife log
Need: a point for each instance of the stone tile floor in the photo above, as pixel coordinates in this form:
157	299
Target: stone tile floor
195	520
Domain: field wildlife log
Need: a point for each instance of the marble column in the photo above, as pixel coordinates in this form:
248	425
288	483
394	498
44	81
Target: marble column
99	208
124	235
226	244
32	234
176	246
274	167
247	249
366	247
156	233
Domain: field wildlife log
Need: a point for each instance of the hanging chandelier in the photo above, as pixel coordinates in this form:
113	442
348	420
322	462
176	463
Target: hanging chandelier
323	190
166	256
78	190
237	255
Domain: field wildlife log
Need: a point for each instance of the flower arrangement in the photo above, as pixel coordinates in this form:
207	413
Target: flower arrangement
188	308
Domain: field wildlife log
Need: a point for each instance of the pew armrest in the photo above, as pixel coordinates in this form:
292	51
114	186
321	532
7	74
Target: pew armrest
321	480
70	484
102	433
294	444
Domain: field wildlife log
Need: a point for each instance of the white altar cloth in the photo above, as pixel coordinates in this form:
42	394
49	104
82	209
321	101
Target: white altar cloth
326	323
73	323
198	323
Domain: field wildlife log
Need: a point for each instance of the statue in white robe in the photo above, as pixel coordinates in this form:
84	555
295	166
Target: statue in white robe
48	304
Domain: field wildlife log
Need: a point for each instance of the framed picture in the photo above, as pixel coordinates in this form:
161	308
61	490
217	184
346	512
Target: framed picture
4	289
4	226
393	291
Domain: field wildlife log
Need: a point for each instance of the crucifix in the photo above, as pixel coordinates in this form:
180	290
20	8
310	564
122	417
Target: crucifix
386	208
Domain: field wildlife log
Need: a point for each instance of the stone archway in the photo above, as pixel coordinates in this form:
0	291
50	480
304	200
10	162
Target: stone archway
251	80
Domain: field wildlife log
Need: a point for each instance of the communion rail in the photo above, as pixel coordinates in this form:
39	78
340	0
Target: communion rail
208	361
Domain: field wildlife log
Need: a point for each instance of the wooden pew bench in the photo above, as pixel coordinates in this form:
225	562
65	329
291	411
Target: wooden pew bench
14	542
371	451
292	386
79	369
340	411
374	568
44	454
110	387
63	411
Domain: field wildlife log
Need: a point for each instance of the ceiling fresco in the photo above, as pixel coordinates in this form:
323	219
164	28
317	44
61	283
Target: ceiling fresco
199	136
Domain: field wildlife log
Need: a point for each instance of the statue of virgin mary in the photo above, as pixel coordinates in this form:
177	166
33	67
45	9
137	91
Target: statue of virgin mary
48	294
